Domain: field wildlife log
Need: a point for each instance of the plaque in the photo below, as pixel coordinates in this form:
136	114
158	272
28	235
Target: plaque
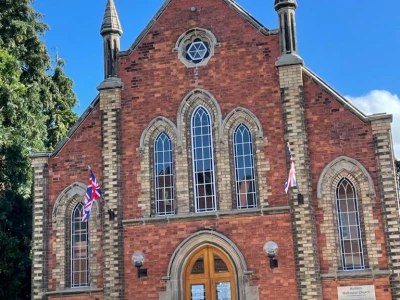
359	292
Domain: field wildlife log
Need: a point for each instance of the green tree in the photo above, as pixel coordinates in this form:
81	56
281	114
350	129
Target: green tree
36	104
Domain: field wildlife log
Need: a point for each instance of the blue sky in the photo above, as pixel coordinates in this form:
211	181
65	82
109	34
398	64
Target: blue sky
352	45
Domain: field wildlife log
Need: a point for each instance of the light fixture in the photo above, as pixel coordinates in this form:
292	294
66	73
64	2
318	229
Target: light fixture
138	261
271	250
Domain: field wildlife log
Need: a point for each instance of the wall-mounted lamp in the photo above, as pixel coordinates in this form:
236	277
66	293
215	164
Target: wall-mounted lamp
271	250
138	261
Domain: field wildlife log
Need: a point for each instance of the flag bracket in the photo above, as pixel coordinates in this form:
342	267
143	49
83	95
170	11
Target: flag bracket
300	199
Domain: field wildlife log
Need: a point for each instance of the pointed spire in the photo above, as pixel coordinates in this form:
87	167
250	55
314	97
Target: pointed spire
111	22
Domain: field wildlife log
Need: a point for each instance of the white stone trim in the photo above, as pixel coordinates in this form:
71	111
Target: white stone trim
354	171
183	252
208	101
261	162
189	36
146	175
344	163
62	209
155	123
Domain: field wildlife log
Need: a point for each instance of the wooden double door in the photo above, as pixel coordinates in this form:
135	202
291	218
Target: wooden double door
210	275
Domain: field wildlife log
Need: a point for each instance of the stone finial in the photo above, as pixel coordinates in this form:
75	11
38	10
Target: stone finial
287	29
111	22
285	3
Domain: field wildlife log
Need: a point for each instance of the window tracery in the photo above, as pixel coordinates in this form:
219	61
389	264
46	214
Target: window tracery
195	47
203	161
244	168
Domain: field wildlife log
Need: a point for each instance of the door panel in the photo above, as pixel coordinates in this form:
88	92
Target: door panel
209	275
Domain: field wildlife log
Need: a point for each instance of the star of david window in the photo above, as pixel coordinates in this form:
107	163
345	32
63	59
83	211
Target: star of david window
196	47
197	51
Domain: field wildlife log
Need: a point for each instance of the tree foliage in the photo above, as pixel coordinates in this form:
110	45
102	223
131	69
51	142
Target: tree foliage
36	104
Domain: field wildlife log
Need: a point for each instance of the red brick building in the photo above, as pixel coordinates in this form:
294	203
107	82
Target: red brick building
188	142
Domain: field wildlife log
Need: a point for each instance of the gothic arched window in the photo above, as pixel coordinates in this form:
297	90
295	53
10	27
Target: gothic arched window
79	248
203	161
164	175
349	226
244	168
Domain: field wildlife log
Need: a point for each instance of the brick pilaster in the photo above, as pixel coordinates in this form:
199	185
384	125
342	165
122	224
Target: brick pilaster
110	106
389	195
40	226
304	230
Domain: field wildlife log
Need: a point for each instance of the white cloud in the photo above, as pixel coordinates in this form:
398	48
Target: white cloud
380	101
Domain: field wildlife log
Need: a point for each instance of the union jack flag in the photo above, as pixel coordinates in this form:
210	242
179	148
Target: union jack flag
291	182
93	192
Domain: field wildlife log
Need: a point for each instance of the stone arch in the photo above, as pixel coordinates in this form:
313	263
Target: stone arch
146	148
77	188
344	163
261	164
190	245
62	209
193	99
242	115
156	126
333	173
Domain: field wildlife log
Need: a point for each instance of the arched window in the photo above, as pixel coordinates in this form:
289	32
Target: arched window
349	226
210	275
244	168
79	248
203	161
164	175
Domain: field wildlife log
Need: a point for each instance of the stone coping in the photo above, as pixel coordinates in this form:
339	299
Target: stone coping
210	215
75	291
357	274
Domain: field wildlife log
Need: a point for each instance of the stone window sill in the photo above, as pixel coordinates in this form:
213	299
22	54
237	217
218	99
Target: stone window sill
359	274
75	291
209	215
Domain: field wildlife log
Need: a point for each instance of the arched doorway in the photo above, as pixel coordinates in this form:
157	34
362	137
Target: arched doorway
209	275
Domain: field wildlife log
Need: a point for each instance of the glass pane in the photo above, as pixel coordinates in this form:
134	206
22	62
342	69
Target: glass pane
203	161
219	265
198	267
224	291
164	178
244	165
79	249
349	226
197	292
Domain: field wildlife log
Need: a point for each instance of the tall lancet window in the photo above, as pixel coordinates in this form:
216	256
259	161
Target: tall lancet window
244	168
349	226
203	161
164	175
79	248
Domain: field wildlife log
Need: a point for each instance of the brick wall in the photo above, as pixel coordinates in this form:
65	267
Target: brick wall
156	82
159	241
241	73
70	165
382	287
334	131
80	297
